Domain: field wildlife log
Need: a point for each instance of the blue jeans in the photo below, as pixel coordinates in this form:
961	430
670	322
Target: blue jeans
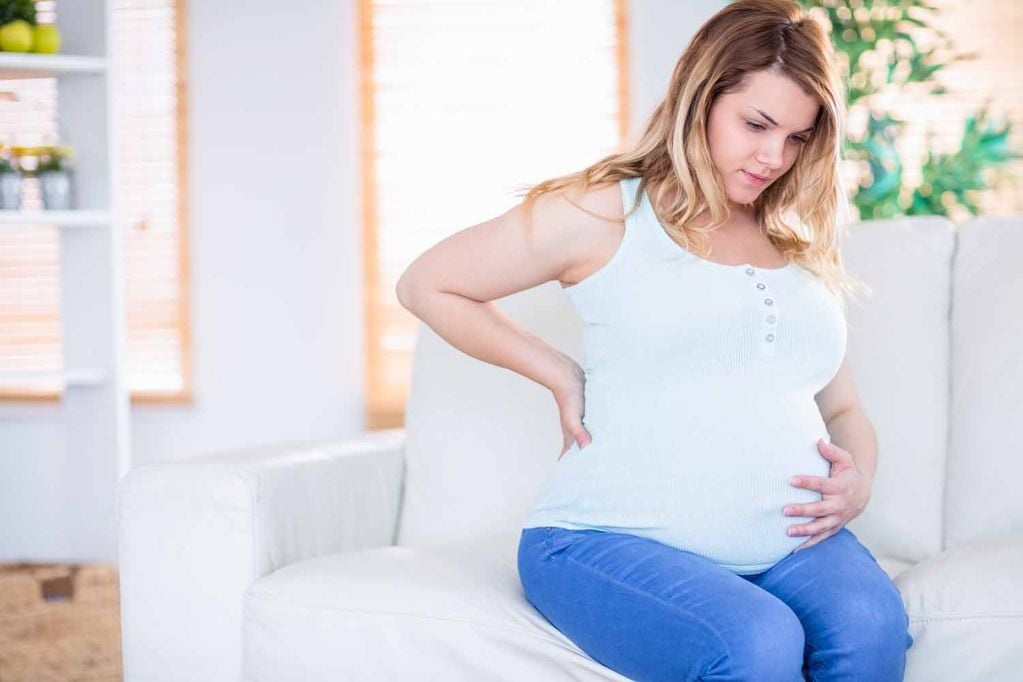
652	612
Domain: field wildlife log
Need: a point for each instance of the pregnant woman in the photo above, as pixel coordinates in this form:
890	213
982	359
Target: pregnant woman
693	527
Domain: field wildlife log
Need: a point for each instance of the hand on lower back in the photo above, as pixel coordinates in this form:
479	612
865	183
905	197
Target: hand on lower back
571	407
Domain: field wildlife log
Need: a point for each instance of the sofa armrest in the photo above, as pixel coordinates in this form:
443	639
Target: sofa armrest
194	534
965	609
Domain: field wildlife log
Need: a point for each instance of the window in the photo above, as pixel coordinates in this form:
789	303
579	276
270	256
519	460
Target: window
146	54
148	46
464	105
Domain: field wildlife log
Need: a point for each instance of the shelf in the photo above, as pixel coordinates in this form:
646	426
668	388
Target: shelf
31	65
54	379
74	218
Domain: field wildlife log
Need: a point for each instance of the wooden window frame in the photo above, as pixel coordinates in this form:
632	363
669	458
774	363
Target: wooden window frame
379	414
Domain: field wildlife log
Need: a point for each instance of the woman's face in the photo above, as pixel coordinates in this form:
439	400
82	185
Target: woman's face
760	131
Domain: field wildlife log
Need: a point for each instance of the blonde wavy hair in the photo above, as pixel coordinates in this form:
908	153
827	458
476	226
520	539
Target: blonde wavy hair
805	211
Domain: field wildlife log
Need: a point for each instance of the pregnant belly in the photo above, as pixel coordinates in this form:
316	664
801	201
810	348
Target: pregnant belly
716	492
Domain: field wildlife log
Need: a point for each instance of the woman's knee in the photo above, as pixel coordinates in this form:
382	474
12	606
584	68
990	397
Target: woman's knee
877	615
768	647
875	633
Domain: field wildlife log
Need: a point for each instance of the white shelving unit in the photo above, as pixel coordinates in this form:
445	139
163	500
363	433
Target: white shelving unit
30	65
94	410
76	218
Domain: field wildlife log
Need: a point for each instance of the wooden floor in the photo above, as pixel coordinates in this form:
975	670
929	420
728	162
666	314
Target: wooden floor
59	622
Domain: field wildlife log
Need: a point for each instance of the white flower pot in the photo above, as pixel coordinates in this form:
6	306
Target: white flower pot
55	188
10	191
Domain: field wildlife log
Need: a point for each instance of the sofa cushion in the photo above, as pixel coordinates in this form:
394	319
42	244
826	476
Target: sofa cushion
891	565
985	459
965	609
898	350
401	613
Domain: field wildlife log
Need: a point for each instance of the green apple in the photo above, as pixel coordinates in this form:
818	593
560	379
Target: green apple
46	39
16	36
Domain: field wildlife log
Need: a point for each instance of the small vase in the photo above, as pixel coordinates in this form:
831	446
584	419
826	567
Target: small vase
10	191
55	188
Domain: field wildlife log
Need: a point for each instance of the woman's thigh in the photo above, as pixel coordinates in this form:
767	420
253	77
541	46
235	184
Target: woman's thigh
853	615
652	612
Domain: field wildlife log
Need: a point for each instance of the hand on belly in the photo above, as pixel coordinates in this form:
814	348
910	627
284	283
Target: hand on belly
845	493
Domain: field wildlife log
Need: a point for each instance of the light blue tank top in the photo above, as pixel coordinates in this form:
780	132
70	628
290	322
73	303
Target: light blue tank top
699	397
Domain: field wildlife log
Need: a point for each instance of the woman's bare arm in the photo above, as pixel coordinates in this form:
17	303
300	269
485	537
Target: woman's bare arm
451	286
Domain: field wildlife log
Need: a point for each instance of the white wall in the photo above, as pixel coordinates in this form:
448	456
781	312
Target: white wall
659	30
276	257
275	244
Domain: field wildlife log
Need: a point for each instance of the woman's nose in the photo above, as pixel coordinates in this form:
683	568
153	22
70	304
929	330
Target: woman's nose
770	156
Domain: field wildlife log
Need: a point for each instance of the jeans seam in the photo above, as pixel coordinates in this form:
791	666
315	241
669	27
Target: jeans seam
978	616
673	607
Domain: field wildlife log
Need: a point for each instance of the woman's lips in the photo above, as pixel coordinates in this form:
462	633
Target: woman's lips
754	179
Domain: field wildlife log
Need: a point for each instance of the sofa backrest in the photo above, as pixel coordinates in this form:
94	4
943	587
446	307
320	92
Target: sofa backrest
481	439
985	463
899	351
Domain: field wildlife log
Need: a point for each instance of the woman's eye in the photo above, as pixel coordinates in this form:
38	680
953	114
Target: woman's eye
757	126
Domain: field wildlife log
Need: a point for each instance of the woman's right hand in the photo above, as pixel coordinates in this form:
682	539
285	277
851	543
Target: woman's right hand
570	397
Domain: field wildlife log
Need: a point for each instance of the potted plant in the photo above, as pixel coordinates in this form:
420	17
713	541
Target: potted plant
10	181
53	169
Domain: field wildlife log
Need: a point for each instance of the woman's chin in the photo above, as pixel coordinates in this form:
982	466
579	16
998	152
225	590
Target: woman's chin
743	197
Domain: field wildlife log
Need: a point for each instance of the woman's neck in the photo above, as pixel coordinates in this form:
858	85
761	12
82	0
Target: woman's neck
742	218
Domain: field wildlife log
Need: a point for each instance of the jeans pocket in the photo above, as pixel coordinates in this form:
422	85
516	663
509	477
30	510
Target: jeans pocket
560	539
533	539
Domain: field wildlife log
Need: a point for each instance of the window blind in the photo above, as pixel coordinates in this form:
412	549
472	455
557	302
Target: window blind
465	104
29	266
147	81
147	46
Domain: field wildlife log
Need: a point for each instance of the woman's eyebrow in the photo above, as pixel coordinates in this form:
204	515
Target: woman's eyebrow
806	130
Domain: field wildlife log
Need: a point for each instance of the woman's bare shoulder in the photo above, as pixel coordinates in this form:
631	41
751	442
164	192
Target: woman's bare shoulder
595	238
562	237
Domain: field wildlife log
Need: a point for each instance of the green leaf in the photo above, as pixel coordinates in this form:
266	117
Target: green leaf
916	22
985	151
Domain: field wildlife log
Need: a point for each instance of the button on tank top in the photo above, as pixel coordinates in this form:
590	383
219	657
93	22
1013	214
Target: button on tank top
699	397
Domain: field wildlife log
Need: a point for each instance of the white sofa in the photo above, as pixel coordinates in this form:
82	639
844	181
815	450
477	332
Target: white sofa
392	556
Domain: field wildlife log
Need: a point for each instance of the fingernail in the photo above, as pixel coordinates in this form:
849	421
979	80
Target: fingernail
794	480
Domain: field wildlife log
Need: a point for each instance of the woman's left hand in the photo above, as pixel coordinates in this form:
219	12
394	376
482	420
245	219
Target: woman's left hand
845	493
